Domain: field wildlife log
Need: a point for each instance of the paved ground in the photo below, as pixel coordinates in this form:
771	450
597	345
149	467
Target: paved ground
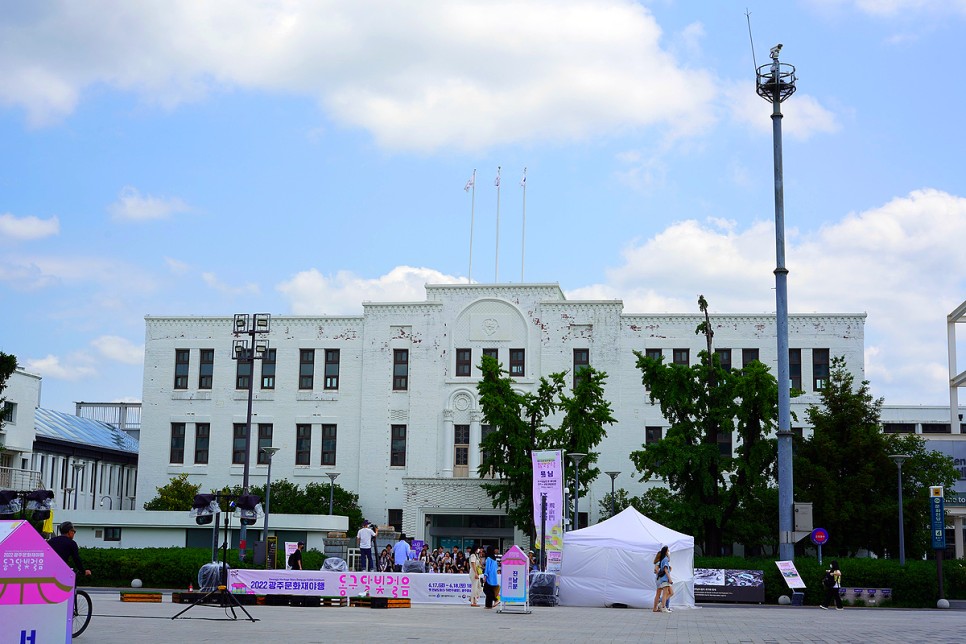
116	622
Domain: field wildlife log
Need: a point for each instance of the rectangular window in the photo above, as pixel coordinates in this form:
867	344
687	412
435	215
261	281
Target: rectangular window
795	369
306	368
268	369
461	451
112	534
724	443
395	519
581	362
264	440
332	369
493	353
464	362
329	434
653	435
935	428
899	428
9	412
243	370
397	447
202	432
748	356
820	369
518	363
400	369
303	444
724	355
238	444
181	359
682	356
206	369
177	443
653	354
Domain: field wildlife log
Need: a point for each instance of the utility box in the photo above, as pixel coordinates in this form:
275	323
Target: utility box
803	517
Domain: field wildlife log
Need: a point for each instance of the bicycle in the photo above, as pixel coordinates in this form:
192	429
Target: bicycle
83	608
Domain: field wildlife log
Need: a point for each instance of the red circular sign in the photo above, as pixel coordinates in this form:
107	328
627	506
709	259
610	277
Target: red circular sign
819	536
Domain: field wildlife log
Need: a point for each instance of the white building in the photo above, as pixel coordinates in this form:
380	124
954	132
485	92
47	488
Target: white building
388	399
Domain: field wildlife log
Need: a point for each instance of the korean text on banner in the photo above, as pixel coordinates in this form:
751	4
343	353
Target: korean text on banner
548	481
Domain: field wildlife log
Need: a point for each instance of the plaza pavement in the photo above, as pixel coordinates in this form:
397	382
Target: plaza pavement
115	622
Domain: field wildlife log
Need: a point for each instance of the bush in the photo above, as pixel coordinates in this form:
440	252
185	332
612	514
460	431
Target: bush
160	567
914	586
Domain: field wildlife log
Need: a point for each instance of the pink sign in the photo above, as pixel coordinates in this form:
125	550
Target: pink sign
514	575
36	586
548	481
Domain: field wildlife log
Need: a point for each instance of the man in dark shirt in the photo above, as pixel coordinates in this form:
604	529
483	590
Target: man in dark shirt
66	547
295	559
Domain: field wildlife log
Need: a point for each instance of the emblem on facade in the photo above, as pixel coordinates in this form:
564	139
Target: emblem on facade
462	402
490	326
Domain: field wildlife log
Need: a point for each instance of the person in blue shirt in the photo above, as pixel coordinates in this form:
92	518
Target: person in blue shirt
663	573
400	553
491	579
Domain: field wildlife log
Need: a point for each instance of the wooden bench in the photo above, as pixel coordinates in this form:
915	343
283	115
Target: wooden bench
145	596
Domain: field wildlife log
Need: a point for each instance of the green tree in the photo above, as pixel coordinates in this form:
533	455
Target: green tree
289	498
711	491
844	469
622	501
518	422
8	364
178	494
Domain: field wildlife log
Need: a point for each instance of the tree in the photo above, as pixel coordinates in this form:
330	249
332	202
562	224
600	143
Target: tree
710	490
842	469
622	501
289	498
518	422
178	494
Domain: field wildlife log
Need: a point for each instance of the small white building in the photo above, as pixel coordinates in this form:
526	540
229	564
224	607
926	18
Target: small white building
388	400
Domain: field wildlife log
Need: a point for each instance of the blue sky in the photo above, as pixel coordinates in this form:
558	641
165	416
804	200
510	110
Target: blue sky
191	158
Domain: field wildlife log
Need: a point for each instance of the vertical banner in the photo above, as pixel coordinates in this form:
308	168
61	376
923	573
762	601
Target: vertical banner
548	480
937	517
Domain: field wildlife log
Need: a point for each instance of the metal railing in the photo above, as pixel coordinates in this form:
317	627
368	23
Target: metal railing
20	480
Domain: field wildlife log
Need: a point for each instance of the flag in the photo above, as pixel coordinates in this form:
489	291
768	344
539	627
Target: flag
496	182
470	183
523	181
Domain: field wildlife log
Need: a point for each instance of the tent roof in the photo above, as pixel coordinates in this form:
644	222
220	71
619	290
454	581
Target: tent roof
630	530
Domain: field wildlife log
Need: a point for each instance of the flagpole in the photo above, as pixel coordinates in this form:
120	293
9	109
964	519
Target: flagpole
472	185
523	234
496	267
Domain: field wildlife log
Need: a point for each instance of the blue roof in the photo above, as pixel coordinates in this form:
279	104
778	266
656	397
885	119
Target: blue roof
57	425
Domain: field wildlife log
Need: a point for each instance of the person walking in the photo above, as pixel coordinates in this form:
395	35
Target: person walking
832	582
475	571
663	576
491	579
295	559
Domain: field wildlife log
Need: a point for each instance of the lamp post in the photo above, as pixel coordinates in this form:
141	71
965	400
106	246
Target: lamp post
270	452
332	477
613	506
110	506
248	351
67	491
899	459
576	457
78	467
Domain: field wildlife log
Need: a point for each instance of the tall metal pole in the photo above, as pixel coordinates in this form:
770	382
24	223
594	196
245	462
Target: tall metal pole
471	185
776	82
270	452
576	457
332	477
613	505
496	265
899	459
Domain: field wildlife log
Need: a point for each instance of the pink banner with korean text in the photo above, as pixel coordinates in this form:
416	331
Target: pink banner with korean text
548	481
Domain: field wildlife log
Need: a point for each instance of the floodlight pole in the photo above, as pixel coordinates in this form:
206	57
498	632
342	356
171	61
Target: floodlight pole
775	83
576	457
270	452
613	505
252	326
77	475
899	459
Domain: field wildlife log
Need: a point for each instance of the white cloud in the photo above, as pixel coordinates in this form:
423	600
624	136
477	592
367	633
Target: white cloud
130	205
42	271
26	228
75	367
894	8
119	349
311	293
177	266
213	282
803	115
423	76
900	263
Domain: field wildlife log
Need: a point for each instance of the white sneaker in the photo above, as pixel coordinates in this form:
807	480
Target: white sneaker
665	610
823	607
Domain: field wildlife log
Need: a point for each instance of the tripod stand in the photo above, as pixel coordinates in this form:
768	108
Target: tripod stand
220	594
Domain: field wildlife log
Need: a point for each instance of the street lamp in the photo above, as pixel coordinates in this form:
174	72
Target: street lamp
270	452
110	506
332	477
613	506
576	457
899	459
67	491
248	351
78	467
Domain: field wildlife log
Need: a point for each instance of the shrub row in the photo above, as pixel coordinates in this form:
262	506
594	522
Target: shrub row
913	585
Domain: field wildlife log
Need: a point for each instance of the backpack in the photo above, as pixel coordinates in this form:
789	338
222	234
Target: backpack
828	580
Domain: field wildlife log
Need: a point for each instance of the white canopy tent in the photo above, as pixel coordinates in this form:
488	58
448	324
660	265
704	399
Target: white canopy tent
612	563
